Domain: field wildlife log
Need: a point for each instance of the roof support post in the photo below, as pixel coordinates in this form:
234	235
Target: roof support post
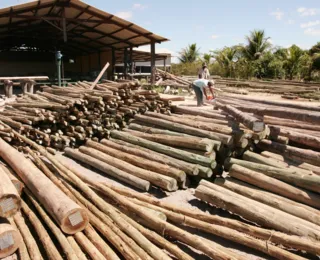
164	64
131	61
64	25
113	63
125	58
153	62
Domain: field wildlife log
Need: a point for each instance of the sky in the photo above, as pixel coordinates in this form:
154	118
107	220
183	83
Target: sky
214	24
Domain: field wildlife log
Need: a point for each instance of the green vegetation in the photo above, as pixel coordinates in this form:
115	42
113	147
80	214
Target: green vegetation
257	58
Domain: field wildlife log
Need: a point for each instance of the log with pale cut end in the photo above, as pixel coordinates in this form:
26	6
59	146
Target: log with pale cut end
254	211
293	176
291	152
10	201
294	208
274	185
156	179
108	169
196	143
197	112
70	217
18	184
249	121
10	239
141	162
176	153
226	139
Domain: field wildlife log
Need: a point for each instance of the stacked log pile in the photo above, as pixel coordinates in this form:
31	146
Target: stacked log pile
66	117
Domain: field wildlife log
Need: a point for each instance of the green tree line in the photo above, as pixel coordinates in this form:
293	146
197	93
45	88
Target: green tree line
257	58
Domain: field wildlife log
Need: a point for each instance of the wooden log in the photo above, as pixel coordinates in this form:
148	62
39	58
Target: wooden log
22	251
225	122
88	247
306	155
126	147
10	201
292	176
290	123
109	170
288	241
296	209
61	208
50	248
249	121
10	239
139	161
156	179
226	139
217	128
280	139
305	139
201	144
76	248
176	153
224	232
28	239
50	106
67	249
255	211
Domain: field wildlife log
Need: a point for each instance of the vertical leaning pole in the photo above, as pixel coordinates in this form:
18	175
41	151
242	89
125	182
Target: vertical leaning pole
153	62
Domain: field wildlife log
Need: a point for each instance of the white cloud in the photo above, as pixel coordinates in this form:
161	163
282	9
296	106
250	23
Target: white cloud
278	14
290	21
139	6
312	32
124	15
214	36
303	11
310	24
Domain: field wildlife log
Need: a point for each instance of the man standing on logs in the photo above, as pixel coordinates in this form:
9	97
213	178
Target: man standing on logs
204	72
199	86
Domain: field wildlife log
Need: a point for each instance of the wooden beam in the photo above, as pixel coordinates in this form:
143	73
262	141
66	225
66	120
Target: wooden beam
153	62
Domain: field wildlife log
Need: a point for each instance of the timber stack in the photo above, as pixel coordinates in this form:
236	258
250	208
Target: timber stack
66	117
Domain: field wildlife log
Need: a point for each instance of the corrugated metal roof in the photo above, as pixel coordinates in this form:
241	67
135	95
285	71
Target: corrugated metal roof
39	24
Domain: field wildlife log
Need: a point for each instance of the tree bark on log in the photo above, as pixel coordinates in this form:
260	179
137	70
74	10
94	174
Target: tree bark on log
60	206
76	248
292	176
197	112
249	121
176	153
22	251
306	155
18	184
88	247
276	186
10	239
294	208
290	123
109	170
165	182
255	211
190	169
226	139
10	201
139	161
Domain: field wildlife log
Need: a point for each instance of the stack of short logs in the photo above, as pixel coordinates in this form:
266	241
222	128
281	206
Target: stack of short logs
66	117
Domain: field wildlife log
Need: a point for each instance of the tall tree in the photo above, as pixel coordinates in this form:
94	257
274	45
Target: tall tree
207	58
292	60
315	55
189	54
226	59
257	45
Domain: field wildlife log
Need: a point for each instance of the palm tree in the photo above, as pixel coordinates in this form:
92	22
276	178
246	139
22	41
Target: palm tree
292	58
315	54
189	54
226	58
207	58
257	45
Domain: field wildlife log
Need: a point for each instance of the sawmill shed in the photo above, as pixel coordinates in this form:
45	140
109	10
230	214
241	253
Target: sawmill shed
31	34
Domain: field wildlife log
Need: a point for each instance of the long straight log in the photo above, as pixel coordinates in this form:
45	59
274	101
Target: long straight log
290	123
296	209
190	169
176	153
22	251
108	169
10	201
28	238
249	121
61	207
76	248
224	122
10	239
292	176
255	211
50	106
156	179
306	155
273	185
139	161
88	247
51	250
224	232
201	144
226	139
197	112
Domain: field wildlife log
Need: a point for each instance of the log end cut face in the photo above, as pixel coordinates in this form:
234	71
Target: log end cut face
10	240
258	126
9	205
75	221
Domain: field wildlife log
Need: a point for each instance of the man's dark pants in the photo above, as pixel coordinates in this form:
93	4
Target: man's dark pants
199	95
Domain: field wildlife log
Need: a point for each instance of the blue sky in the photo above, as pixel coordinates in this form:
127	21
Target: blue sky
214	24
